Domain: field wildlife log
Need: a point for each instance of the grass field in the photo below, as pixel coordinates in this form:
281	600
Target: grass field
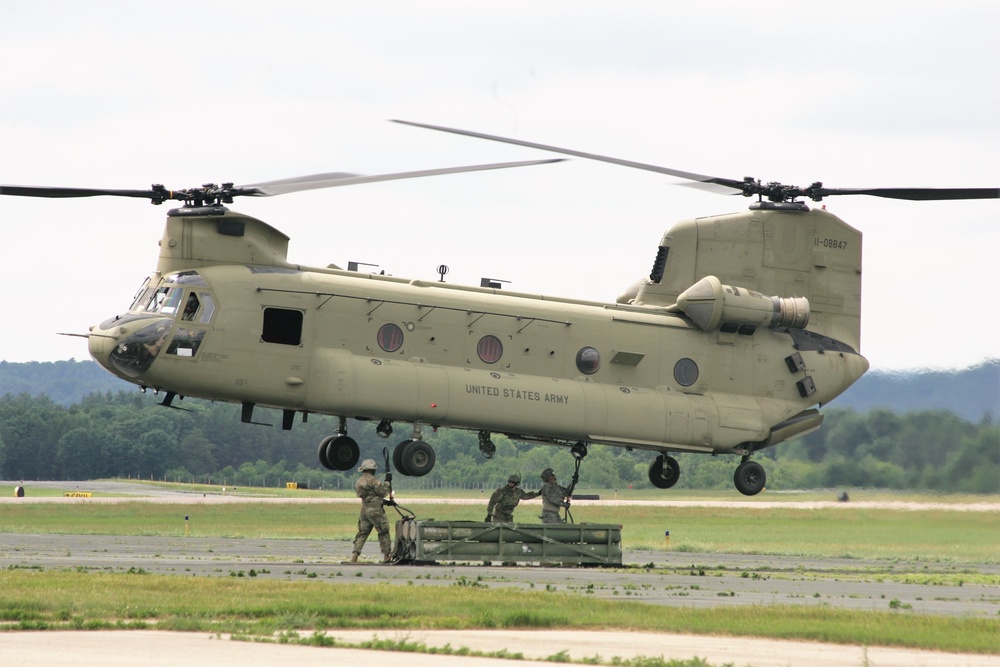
258	607
36	600
842	531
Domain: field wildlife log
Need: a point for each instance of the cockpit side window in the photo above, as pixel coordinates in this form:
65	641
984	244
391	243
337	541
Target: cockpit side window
207	307
190	307
142	296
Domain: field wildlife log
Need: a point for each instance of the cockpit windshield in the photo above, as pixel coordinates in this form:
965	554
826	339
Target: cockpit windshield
167	298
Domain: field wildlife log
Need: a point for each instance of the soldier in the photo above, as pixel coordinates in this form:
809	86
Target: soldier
372	492
505	499
554	498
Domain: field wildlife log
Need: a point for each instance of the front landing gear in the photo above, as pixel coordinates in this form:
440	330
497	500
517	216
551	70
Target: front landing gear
338	451
664	471
414	457
750	478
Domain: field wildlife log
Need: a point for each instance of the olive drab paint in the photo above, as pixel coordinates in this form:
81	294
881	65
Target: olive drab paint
747	323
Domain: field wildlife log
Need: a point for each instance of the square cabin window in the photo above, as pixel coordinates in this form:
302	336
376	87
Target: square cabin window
282	326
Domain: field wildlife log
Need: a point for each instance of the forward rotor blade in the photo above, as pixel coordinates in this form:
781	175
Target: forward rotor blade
691	176
332	180
915	194
59	193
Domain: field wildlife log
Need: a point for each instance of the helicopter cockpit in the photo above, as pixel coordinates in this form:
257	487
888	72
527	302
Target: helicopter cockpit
171	317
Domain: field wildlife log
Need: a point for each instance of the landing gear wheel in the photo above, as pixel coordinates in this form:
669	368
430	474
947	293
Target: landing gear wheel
397	457
321	452
416	459
342	453
750	478
664	471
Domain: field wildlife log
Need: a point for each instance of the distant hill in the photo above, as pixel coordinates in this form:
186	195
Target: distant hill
65	382
970	393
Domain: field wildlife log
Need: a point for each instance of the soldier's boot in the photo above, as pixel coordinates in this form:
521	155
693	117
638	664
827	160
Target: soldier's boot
354	557
386	558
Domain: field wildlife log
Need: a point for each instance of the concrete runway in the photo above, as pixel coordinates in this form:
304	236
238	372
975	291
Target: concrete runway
679	579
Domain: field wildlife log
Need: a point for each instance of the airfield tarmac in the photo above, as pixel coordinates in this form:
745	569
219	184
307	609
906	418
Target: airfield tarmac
679	579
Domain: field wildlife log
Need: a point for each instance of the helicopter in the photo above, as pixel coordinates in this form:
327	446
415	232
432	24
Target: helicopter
746	325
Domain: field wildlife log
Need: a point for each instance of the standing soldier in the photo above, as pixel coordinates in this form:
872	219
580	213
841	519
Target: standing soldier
372	492
505	499
554	498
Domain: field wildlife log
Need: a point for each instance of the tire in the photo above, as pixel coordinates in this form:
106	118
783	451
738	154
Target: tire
397	457
322	452
342	453
750	478
664	472
417	458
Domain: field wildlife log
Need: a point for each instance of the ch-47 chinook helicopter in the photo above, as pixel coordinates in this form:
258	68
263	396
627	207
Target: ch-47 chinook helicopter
745	325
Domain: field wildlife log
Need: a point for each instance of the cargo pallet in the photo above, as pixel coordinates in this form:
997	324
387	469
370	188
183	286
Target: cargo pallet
430	541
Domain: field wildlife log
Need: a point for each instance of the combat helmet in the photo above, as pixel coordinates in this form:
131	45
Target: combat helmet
368	464
547	474
516	479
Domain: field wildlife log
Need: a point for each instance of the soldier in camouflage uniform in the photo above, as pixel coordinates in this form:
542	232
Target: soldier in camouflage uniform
505	499
372	492
554	498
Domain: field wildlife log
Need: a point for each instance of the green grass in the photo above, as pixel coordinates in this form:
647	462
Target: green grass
60	599
940	536
266	608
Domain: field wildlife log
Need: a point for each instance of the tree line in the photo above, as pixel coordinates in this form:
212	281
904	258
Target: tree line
129	435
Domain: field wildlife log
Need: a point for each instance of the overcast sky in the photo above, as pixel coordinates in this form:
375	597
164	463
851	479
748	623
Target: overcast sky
126	94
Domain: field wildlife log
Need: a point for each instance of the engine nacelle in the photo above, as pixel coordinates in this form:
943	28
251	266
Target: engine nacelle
712	305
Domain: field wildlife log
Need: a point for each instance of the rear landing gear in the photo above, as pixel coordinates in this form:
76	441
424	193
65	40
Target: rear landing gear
750	478
664	471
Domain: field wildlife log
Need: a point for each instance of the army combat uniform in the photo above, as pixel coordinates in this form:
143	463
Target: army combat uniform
505	499
553	498
372	492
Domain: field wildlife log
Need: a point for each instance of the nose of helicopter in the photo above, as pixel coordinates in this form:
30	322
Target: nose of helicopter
100	344
128	346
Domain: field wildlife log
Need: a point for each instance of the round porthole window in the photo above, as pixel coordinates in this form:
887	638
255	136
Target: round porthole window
686	372
390	337
588	360
490	349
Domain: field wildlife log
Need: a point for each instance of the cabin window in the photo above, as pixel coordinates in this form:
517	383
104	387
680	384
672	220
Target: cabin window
686	372
390	337
282	326
588	361
489	349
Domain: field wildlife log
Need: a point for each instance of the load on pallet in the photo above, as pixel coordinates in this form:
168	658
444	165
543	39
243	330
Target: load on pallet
571	544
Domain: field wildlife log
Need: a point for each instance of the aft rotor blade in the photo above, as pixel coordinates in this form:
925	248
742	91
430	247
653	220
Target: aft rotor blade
914	194
691	176
332	180
59	193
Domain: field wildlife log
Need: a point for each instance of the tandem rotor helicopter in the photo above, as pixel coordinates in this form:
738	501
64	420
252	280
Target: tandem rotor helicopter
746	324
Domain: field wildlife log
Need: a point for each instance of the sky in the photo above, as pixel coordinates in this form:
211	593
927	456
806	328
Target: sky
876	94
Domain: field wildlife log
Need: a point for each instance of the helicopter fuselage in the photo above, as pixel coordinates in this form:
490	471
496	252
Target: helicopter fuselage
226	318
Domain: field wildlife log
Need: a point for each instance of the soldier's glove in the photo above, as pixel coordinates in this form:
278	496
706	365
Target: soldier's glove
388	477
489	518
390	502
566	504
